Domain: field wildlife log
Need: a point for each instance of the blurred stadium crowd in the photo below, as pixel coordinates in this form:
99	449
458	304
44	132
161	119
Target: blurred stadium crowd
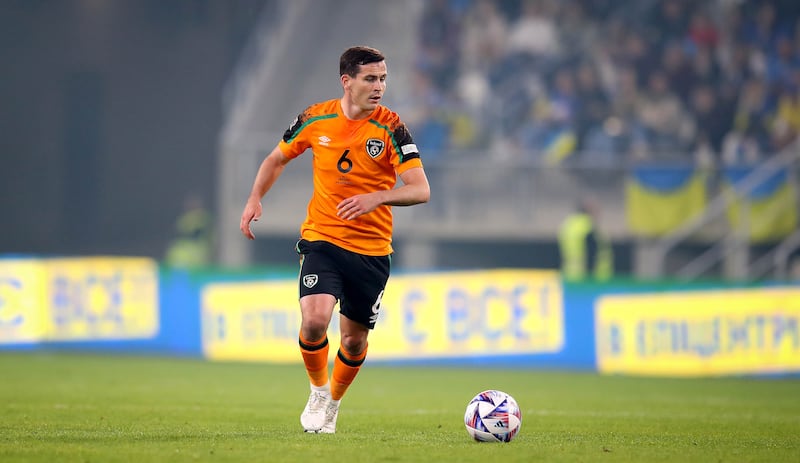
608	82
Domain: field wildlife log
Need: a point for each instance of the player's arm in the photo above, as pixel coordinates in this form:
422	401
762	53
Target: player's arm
269	171
415	190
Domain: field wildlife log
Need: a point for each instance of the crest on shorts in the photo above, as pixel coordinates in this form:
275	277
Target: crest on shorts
375	147
310	280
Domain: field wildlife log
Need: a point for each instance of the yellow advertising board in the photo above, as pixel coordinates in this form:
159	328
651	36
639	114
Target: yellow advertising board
102	298
22	306
78	299
455	314
699	333
252	321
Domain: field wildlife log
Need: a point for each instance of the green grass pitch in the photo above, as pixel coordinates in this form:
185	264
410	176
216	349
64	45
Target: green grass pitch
95	408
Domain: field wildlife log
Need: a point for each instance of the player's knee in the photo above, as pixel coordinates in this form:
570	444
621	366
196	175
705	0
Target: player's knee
314	329
354	344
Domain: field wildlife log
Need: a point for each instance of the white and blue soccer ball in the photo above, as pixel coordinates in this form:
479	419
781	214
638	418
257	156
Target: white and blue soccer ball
493	416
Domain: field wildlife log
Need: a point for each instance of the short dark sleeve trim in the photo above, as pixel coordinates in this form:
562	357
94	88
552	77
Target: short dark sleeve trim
401	141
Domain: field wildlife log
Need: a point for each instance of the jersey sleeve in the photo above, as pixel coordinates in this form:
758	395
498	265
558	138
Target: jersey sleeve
295	140
408	154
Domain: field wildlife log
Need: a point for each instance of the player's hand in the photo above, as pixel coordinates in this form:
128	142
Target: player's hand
357	205
252	212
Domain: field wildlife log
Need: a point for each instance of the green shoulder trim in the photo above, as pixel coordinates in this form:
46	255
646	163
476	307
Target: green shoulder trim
391	137
309	121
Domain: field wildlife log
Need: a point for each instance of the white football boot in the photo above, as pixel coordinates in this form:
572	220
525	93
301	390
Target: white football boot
331	413
314	415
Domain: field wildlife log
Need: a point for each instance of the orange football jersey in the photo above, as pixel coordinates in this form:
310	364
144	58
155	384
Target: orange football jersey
350	158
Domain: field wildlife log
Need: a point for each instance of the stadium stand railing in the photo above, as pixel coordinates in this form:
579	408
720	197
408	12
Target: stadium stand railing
759	207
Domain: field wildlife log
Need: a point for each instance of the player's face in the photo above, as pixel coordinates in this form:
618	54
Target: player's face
367	87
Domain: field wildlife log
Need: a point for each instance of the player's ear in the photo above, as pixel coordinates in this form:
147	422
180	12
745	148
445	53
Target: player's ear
345	80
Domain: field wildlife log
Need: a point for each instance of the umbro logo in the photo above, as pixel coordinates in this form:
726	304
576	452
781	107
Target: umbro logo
323	140
310	280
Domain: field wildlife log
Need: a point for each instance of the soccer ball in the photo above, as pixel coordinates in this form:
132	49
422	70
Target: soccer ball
493	416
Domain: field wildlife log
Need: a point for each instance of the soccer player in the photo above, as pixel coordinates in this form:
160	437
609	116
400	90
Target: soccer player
359	149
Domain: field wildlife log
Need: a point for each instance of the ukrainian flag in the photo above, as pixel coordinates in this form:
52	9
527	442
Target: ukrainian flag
660	199
769	209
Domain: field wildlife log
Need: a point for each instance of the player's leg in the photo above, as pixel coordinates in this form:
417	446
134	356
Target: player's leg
364	284
316	312
351	355
320	286
365	281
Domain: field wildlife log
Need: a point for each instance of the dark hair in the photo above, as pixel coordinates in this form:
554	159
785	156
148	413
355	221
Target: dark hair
354	57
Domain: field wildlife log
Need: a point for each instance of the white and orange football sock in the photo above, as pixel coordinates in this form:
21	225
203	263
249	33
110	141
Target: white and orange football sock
315	357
